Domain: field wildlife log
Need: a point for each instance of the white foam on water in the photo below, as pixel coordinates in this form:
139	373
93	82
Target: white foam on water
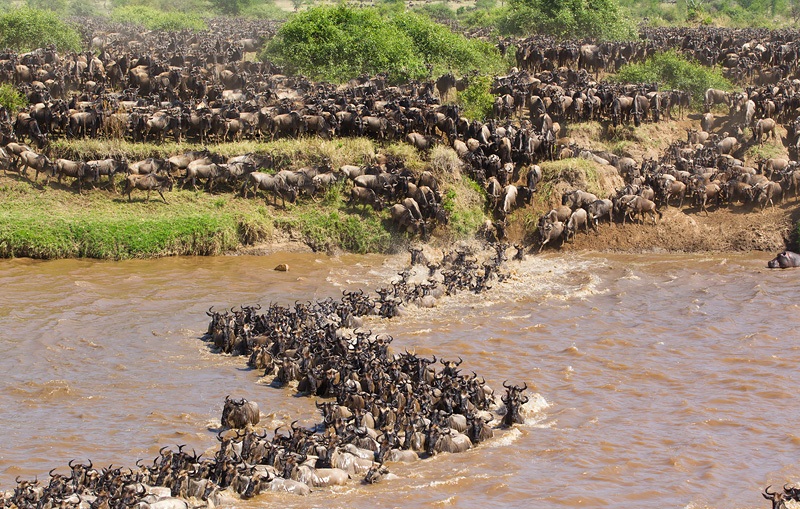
504	439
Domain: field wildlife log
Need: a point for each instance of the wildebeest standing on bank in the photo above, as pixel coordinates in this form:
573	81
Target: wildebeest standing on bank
148	183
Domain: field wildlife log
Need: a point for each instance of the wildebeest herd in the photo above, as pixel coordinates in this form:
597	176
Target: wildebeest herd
388	407
185	86
377	407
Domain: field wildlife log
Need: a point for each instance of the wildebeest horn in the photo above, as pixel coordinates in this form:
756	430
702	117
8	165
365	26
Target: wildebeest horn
505	384
17	479
70	463
525	388
90	465
766	491
460	360
51	473
161	451
210	312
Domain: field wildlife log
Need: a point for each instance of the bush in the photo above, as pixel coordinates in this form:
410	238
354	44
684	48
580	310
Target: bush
11	98
671	70
154	19
438	11
59	6
477	100
337	43
82	8
25	29
231	7
265	10
601	19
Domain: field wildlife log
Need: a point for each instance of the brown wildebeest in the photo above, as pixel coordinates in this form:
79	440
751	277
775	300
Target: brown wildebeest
764	126
148	183
641	206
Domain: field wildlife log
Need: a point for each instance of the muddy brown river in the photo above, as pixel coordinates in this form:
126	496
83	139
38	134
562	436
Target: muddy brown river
662	380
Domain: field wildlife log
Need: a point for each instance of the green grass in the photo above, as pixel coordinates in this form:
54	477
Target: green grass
56	222
59	223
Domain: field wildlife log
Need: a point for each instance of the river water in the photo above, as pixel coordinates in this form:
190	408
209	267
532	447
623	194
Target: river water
663	380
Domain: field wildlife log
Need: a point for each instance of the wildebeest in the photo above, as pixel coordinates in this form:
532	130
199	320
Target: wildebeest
237	414
75	169
108	167
641	206
764	126
39	162
148	182
364	196
550	229
715	96
272	184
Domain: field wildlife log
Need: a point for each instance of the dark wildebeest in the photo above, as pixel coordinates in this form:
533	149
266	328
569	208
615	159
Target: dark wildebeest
238	414
109	168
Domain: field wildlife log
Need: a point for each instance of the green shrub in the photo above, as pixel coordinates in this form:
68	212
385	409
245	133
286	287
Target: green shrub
82	8
25	29
231	7
265	10
438	11
11	98
59	6
154	19
337	43
477	100
602	19
673	71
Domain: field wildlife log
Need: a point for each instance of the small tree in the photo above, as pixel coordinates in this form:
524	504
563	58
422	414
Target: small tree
59	6
11	98
25	29
231	7
297	4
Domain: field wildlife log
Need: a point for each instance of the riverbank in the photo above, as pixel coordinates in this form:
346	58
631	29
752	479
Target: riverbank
57	222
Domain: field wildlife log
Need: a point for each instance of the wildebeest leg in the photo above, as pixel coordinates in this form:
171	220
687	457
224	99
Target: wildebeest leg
148	196
160	193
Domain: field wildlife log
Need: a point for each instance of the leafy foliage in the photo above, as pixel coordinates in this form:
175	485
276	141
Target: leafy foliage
265	10
231	7
82	8
337	43
601	19
26	29
58	6
673	71
437	11
154	19
12	99
477	100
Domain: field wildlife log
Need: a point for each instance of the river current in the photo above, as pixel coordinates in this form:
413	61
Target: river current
656	380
